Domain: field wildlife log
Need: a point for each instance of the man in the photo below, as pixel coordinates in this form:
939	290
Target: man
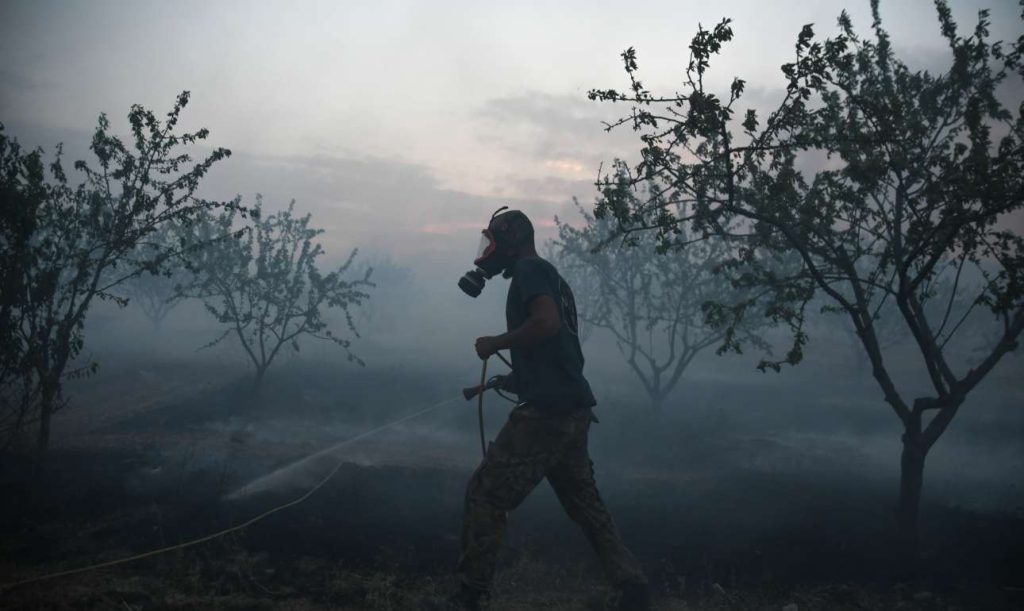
546	433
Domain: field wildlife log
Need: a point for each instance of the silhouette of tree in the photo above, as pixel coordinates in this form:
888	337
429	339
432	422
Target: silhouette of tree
264	284
82	242
155	292
922	172
653	303
23	189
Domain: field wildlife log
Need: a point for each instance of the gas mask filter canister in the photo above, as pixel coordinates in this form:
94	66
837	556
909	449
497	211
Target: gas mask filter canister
472	282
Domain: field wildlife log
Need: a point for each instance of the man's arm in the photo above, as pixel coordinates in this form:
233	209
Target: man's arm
542	323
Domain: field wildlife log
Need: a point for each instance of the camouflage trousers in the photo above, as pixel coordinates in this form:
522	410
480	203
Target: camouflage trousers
532	445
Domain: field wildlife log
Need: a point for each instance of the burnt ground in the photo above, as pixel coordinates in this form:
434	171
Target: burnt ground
722	518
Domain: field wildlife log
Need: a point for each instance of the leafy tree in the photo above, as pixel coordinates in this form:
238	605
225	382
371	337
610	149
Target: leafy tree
265	285
652	303
23	189
923	170
81	240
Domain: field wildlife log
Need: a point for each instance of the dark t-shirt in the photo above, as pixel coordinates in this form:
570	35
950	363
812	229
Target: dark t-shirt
548	375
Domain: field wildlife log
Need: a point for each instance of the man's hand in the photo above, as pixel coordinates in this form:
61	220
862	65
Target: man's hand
486	346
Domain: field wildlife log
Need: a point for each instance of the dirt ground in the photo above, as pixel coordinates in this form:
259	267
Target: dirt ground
720	522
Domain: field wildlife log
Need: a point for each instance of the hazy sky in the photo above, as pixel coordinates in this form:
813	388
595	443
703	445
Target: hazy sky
401	125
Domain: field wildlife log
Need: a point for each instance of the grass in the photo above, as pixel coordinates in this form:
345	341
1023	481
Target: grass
225	576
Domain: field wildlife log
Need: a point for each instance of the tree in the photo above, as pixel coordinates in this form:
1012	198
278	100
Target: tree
394	284
651	302
23	189
891	329
155	291
81	241
922	172
265	286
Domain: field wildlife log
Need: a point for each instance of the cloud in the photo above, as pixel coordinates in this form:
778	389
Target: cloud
380	204
385	205
449	229
555	143
565	128
553	189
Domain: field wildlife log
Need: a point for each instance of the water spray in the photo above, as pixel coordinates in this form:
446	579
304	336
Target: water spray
270	480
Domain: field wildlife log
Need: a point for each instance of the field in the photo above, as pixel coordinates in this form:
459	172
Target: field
725	510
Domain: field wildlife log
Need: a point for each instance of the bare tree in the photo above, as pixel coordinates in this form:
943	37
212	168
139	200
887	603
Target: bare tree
155	291
651	302
264	285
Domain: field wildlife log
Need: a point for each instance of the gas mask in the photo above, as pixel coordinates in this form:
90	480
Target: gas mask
493	257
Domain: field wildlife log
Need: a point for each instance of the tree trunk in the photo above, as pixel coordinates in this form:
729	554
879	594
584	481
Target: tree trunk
48	395
911	480
861	358
261	371
47	401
